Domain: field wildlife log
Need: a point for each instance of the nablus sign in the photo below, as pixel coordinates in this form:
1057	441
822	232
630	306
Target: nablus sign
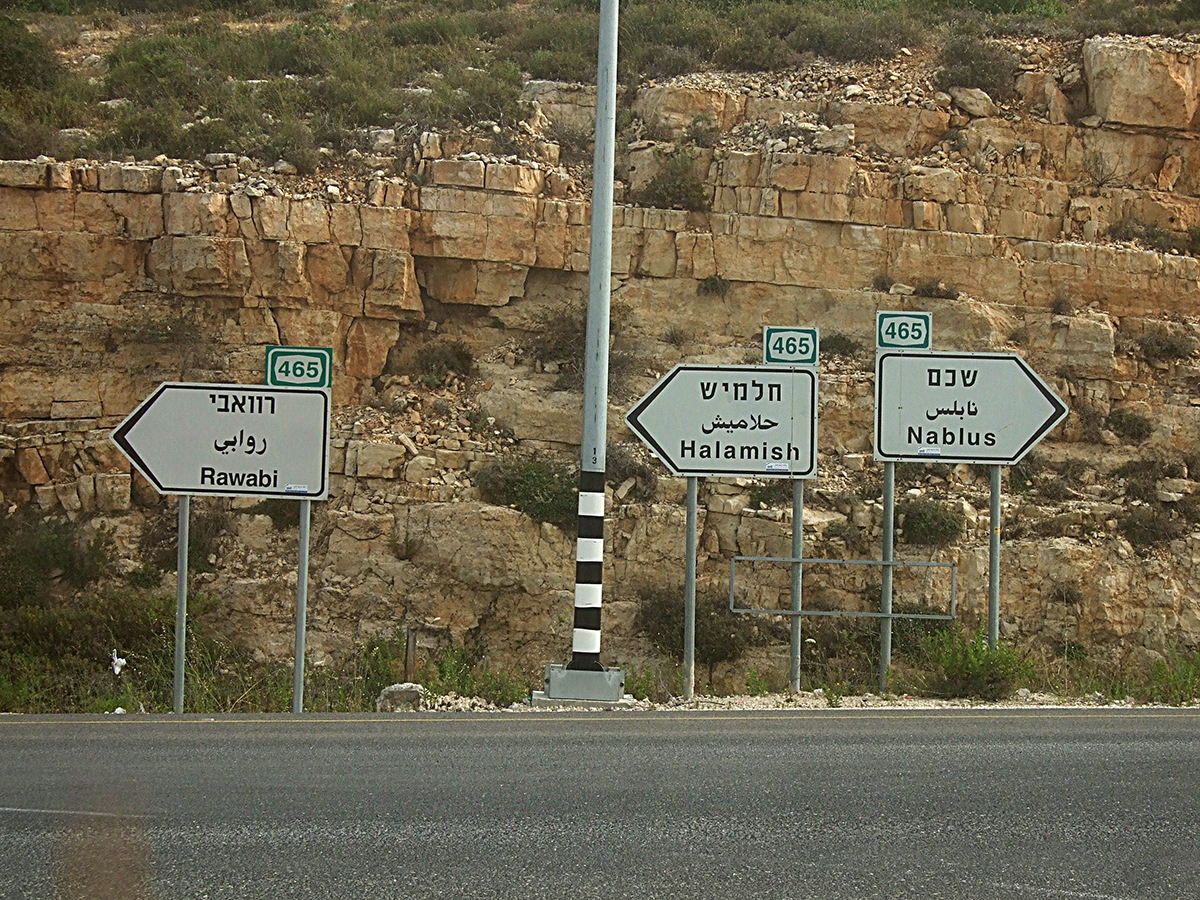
988	408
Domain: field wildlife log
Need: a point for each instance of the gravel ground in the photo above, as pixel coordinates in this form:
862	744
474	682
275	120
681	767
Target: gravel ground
818	699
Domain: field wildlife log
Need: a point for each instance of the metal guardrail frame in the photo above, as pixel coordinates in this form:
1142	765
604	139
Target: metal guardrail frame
845	562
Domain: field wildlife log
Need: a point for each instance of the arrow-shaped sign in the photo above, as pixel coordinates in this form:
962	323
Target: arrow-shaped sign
732	420
231	440
989	408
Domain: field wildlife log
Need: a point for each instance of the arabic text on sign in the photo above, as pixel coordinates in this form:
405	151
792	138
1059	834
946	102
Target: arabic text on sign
956	410
740	390
753	423
248	444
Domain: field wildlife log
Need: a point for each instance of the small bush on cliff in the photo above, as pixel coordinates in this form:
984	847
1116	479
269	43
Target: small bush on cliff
543	489
437	359
676	185
1151	526
620	465
1129	425
968	60
1160	346
930	523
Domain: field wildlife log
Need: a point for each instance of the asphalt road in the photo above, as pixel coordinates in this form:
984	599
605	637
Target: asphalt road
962	805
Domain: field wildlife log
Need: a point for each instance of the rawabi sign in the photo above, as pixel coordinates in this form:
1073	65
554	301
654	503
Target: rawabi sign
231	440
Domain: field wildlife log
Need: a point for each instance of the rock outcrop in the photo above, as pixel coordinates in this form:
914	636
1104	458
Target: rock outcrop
118	276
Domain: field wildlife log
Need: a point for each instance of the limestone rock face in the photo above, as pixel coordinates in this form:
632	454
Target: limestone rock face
115	277
1133	83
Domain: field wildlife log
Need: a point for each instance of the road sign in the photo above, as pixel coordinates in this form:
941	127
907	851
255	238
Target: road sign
759	421
300	367
960	407
903	330
231	440
790	346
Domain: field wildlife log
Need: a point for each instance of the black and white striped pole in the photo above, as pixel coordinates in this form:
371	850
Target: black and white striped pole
584	678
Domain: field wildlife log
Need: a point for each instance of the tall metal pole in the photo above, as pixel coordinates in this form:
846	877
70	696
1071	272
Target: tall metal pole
689	593
994	564
301	609
885	602
589	555
797	579
181	570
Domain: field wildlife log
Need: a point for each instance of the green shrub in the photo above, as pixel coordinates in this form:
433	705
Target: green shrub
1129	425
1150	526
855	33
910	637
930	523
542	489
965	666
454	671
439	358
714	285
1175	679
721	635
968	60
703	131
34	554
26	61
838	344
676	185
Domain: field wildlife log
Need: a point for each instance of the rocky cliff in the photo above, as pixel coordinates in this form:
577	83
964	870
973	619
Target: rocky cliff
1061	225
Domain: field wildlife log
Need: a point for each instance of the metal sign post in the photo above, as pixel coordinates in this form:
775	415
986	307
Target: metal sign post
979	408
233	440
181	578
797	581
689	592
584	677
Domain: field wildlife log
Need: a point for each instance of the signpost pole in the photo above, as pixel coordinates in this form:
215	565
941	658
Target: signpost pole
301	609
589	558
797	579
994	564
689	593
181	569
885	603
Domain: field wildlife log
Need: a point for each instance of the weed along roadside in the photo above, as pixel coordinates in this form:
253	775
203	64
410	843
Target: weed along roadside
406	187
